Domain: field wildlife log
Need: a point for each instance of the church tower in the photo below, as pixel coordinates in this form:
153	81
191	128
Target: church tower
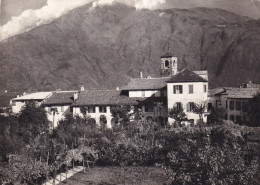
168	65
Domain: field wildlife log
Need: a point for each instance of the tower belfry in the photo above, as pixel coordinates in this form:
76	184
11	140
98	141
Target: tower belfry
168	64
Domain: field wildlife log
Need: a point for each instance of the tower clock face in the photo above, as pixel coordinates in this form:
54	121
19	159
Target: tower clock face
166	73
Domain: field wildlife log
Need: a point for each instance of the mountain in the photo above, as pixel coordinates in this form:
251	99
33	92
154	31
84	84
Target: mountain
103	47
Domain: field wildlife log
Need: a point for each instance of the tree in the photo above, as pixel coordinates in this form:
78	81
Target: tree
216	115
33	121
178	115
252	110
199	109
122	113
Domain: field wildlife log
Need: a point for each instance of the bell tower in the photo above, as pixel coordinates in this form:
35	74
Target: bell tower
168	64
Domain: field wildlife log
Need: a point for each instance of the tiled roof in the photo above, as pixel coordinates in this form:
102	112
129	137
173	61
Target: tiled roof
111	97
241	92
102	97
233	92
146	84
186	75
60	98
34	96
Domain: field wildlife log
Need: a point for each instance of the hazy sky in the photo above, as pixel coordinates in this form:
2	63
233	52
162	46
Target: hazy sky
18	16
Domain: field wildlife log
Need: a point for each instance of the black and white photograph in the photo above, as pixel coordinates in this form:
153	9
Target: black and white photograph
130	92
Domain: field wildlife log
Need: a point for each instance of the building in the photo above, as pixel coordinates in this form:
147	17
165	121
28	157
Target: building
154	96
19	101
233	101
58	105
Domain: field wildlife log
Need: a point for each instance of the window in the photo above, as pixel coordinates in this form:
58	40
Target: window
102	109
226	104
177	89
148	108
62	108
167	64
209	106
178	106
205	88
231	105
238	105
71	109
190	89
232	118
190	107
93	109
226	116
238	119
244	107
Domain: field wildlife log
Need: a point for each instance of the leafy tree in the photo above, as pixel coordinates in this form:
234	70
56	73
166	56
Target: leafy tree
32	121
122	113
178	115
253	110
199	109
216	115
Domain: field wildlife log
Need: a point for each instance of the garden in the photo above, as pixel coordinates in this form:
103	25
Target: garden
132	152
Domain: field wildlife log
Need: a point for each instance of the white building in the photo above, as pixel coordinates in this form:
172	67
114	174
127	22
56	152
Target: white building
38	97
186	89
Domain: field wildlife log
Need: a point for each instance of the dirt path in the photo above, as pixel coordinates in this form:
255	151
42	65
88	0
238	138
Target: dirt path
120	175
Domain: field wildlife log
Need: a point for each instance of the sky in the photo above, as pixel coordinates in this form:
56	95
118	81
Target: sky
19	16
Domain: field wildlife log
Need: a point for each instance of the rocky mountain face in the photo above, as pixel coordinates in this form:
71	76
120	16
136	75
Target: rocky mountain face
103	47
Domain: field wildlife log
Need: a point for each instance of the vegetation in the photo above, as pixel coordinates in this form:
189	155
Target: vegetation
253	109
189	154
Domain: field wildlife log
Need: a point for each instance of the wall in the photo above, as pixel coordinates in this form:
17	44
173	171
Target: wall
59	115
96	115
18	105
198	96
147	93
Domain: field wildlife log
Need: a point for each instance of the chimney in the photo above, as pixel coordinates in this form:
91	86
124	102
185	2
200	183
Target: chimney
117	88
82	88
76	95
141	74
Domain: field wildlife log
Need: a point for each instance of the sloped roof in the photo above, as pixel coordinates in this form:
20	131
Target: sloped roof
235	92
60	98
34	96
146	83
186	75
102	97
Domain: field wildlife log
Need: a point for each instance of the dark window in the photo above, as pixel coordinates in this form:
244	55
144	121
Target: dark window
231	105
190	106
232	118
238	119
238	105
209	106
71	109
102	109
94	109
167	64
190	89
179	106
177	89
244	106
226	104
205	88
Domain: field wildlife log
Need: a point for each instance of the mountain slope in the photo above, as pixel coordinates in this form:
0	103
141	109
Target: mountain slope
102	47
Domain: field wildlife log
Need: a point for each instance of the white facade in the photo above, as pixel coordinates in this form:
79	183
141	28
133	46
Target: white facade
95	112
192	92
55	116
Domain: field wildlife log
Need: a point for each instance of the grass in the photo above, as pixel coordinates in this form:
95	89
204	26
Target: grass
120	175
